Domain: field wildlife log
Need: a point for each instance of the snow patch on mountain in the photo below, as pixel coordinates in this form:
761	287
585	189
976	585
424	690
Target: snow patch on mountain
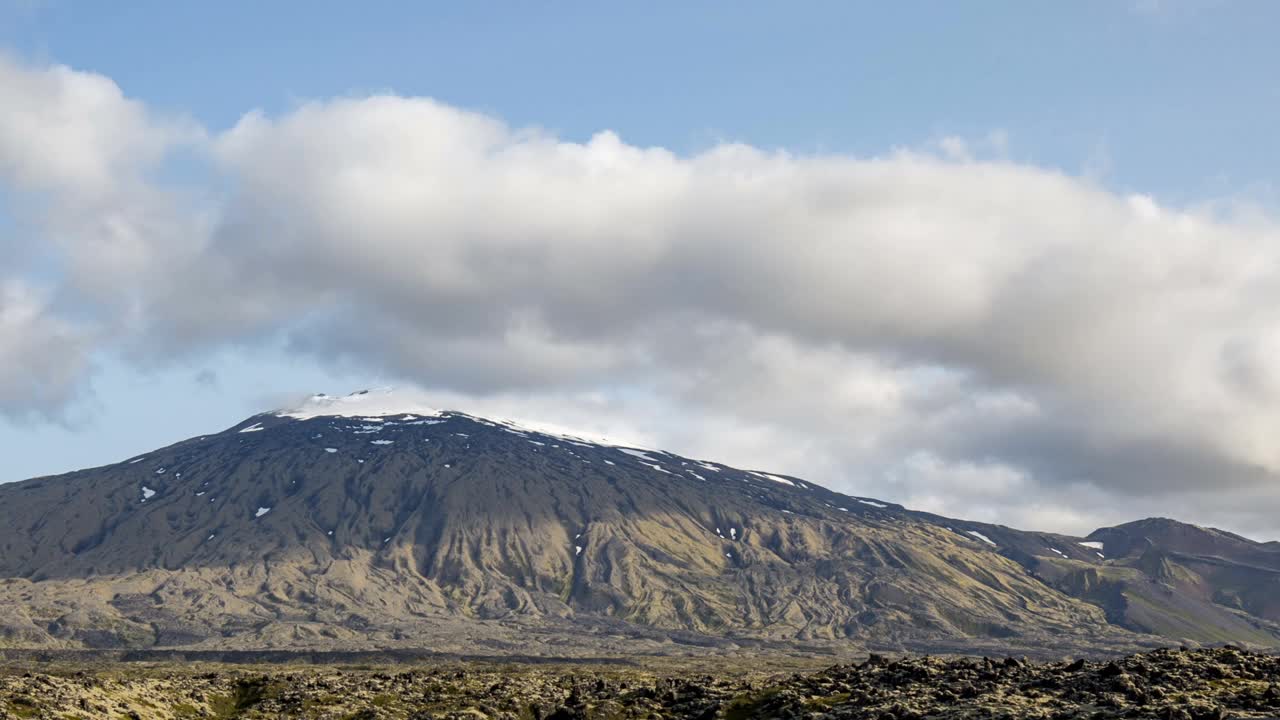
368	405
982	537
774	478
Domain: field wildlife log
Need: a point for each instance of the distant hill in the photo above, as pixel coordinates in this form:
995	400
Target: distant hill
358	522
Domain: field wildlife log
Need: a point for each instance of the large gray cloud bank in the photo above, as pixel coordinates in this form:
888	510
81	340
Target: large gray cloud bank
979	337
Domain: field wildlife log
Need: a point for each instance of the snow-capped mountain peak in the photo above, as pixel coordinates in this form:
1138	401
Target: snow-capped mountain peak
381	402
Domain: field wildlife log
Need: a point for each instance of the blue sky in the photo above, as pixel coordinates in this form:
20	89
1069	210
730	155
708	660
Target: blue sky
1170	99
1166	97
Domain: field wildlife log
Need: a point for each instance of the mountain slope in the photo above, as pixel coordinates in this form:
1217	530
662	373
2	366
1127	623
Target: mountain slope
352	523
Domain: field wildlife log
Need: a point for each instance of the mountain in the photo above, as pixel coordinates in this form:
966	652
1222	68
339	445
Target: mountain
364	522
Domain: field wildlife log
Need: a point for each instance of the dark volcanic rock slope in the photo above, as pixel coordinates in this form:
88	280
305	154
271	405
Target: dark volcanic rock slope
426	528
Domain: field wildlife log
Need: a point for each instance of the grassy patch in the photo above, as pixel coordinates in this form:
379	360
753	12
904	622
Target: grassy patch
827	701
744	707
23	708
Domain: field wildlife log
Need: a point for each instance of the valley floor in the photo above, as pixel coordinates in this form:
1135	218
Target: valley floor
1182	684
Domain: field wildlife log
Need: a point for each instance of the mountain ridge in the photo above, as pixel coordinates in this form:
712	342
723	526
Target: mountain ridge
360	522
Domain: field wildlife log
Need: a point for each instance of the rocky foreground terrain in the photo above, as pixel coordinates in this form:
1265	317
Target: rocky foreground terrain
1182	684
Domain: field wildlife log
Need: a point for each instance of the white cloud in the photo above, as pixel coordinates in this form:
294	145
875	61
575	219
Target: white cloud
75	134
828	316
80	169
43	359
